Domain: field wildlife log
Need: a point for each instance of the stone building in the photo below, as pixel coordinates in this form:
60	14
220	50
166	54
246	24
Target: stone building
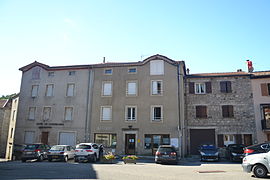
261	94
219	110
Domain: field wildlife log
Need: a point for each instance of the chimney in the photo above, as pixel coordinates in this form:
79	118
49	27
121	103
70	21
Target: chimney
188	70
103	59
239	70
250	67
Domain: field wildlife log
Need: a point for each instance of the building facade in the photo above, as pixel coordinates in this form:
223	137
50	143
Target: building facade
261	95
219	110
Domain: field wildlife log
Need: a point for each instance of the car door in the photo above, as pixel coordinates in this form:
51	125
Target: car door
96	149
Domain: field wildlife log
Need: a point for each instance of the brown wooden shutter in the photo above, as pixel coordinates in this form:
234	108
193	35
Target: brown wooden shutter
191	88
220	140
223	86
224	111
230	110
264	89
208	87
238	139
229	86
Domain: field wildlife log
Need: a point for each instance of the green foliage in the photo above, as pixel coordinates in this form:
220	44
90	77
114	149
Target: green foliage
8	96
130	157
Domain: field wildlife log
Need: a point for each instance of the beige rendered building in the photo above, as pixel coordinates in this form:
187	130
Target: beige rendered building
261	97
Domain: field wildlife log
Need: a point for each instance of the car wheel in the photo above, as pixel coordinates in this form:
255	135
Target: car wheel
23	160
259	171
40	158
94	159
66	158
49	159
76	160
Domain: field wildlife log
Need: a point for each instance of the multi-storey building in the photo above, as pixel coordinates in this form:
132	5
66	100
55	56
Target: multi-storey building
219	109
261	95
129	107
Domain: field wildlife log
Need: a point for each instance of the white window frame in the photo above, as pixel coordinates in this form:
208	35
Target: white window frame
32	113
44	116
131	119
132	72
229	139
153	113
104	91
128	92
68	92
157	67
102	115
66	117
49	90
105	73
200	88
34	90
71	73
154	90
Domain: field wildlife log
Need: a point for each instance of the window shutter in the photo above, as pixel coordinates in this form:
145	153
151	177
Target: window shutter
264	89
191	88
230	110
132	88
208	87
238	139
223	86
229	86
107	89
204	113
224	111
220	140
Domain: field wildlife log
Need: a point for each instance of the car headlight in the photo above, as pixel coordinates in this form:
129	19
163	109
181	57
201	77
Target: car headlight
216	154
234	154
202	153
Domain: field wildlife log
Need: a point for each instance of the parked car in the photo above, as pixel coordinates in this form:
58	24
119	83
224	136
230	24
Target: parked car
209	152
166	154
87	152
35	151
61	152
235	152
17	151
258	163
257	148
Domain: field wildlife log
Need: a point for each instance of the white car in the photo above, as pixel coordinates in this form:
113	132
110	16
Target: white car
87	152
62	152
259	164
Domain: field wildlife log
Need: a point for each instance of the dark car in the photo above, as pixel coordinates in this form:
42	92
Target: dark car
235	152
209	152
35	151
257	148
17	151
166	154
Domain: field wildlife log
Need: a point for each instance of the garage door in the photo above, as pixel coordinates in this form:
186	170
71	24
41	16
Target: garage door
67	138
200	136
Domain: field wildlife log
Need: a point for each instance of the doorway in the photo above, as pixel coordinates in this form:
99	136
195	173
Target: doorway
44	137
130	140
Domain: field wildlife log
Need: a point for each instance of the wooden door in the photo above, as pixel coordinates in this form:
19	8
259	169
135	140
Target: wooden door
44	137
130	140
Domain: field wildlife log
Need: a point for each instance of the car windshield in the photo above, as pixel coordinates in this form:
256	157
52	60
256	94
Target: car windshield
58	148
166	149
83	146
212	147
237	146
31	146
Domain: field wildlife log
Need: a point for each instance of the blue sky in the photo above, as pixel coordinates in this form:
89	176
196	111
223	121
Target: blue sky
209	35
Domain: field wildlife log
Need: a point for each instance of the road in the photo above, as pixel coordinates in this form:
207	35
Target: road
141	170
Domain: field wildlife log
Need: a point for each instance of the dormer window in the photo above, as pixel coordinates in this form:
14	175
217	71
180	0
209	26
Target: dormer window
108	71
132	70
71	73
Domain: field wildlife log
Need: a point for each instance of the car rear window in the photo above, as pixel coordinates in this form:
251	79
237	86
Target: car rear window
83	146
58	148
166	149
31	146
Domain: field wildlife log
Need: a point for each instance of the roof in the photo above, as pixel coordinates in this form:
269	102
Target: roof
260	74
223	74
101	65
3	103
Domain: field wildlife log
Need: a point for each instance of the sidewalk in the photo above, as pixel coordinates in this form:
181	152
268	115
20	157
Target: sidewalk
3	160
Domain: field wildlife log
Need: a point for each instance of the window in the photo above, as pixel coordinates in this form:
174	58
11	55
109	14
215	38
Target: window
71	73
227	111
154	140
51	74
229	139
106	113
225	87
131	113
46	113
32	112
131	88
34	92
201	112
132	70
157	88
36	73
108	71
13	115
107	89
68	113
157	67
199	88
156	113
265	89
107	140
29	137
11	133
70	90
49	90
266	111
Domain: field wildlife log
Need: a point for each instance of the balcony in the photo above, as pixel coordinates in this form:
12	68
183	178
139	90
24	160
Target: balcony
265	124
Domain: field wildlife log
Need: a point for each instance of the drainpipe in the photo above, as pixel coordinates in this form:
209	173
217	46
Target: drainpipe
88	106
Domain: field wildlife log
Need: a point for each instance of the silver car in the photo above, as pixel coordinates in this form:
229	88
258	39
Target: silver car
61	152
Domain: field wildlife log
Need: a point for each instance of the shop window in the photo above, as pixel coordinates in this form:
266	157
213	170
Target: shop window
107	140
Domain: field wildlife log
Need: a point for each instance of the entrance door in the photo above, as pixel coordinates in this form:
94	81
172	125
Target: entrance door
44	137
199	137
130	144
